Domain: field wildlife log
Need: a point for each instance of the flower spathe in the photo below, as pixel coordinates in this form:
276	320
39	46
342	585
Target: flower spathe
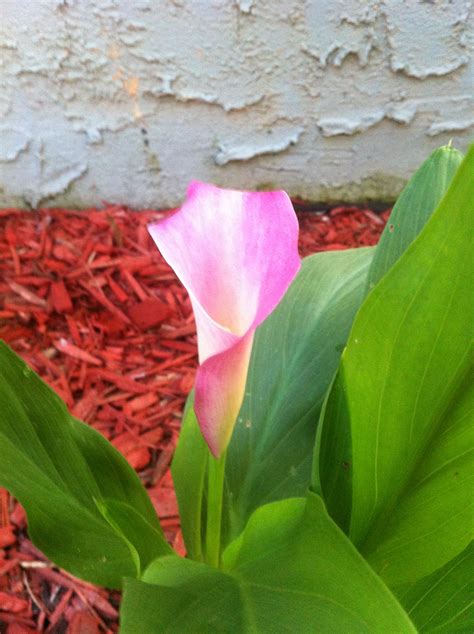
236	253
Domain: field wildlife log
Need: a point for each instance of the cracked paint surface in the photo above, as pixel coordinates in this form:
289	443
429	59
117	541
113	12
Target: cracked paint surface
128	101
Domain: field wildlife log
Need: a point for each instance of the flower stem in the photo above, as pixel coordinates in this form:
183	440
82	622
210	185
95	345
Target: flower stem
215	494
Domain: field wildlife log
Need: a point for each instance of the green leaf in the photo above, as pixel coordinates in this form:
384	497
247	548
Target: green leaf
442	602
414	206
181	595
189	469
292	570
401	402
144	539
294	357
61	471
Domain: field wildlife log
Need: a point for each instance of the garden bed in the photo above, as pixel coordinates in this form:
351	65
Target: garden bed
88	302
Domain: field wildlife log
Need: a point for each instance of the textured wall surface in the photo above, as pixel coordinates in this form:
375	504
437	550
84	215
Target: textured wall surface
128	100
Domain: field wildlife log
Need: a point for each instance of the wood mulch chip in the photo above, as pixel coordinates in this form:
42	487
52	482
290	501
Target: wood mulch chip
87	300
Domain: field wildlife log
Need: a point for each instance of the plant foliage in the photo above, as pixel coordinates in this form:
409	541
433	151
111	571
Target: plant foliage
347	482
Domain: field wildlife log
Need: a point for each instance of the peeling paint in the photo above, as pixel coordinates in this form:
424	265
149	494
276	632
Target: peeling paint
244	5
340	29
247	151
450	126
93	135
12	143
428	39
356	122
334	126
198	96
402	112
55	183
316	97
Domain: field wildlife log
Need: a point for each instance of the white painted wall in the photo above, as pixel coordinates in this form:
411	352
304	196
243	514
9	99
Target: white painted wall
128	100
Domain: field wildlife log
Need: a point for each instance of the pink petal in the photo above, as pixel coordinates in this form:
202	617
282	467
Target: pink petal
219	392
236	253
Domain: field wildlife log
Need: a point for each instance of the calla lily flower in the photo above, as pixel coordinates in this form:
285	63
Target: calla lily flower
236	253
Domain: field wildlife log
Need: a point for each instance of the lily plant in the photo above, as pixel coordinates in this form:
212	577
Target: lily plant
324	463
236	253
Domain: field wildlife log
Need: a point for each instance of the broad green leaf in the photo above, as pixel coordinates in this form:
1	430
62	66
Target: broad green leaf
400	406
144	539
443	601
61	471
189	469
414	206
294	357
182	595
332	460
292	570
433	519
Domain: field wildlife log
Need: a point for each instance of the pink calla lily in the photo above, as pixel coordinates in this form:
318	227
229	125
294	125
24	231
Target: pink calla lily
236	253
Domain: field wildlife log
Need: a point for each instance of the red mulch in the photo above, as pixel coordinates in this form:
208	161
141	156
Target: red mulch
88	302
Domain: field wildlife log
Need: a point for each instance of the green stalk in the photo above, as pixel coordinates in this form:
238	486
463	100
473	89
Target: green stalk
215	495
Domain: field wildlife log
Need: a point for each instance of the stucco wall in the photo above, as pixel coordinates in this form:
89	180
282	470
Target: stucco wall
127	100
